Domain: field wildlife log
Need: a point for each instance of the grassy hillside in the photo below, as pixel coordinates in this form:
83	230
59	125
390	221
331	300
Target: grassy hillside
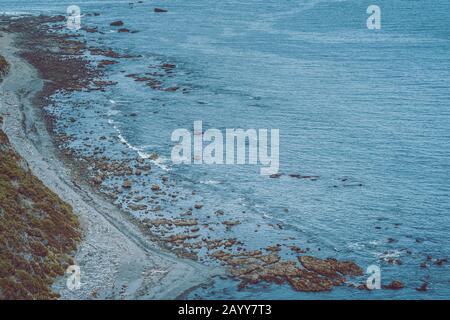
38	230
4	66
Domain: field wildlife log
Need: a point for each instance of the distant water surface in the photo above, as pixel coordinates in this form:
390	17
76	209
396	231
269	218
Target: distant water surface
366	111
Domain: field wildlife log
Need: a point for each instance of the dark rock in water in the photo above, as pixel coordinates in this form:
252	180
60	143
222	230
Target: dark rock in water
107	53
276	175
296	175
310	282
440	262
159	10
123	30
310	177
90	30
230	223
117	23
154	156
394	285
423	287
103	63
198	206
363	286
172	89
330	267
297	249
185	223
168	66
137	207
58	18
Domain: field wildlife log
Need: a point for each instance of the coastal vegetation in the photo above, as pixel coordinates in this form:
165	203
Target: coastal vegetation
38	231
4	67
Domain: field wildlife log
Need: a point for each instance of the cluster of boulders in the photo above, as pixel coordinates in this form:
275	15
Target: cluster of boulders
155	79
312	274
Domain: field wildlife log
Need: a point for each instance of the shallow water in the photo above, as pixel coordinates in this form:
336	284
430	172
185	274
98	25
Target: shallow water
367	112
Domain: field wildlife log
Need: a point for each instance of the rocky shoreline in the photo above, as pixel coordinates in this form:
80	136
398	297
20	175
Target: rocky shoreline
116	261
133	183
38	231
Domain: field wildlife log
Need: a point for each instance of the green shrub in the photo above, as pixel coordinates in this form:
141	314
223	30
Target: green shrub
38	231
4	67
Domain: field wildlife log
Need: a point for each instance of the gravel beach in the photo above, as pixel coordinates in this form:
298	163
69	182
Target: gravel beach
116	260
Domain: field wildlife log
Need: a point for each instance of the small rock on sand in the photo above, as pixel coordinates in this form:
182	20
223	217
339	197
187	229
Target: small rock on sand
230	224
198	205
98	180
127	184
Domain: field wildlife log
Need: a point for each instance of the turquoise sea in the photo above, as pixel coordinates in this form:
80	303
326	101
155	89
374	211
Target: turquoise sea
366	111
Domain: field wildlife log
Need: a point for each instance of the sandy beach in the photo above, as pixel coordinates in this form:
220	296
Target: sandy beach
116	260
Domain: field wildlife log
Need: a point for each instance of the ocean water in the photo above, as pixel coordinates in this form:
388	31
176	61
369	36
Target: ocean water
368	112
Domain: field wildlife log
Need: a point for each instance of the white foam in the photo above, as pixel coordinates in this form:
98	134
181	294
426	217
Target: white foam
15	13
210	182
142	154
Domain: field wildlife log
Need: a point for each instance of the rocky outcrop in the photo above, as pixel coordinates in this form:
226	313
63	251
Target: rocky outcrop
253	267
330	267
